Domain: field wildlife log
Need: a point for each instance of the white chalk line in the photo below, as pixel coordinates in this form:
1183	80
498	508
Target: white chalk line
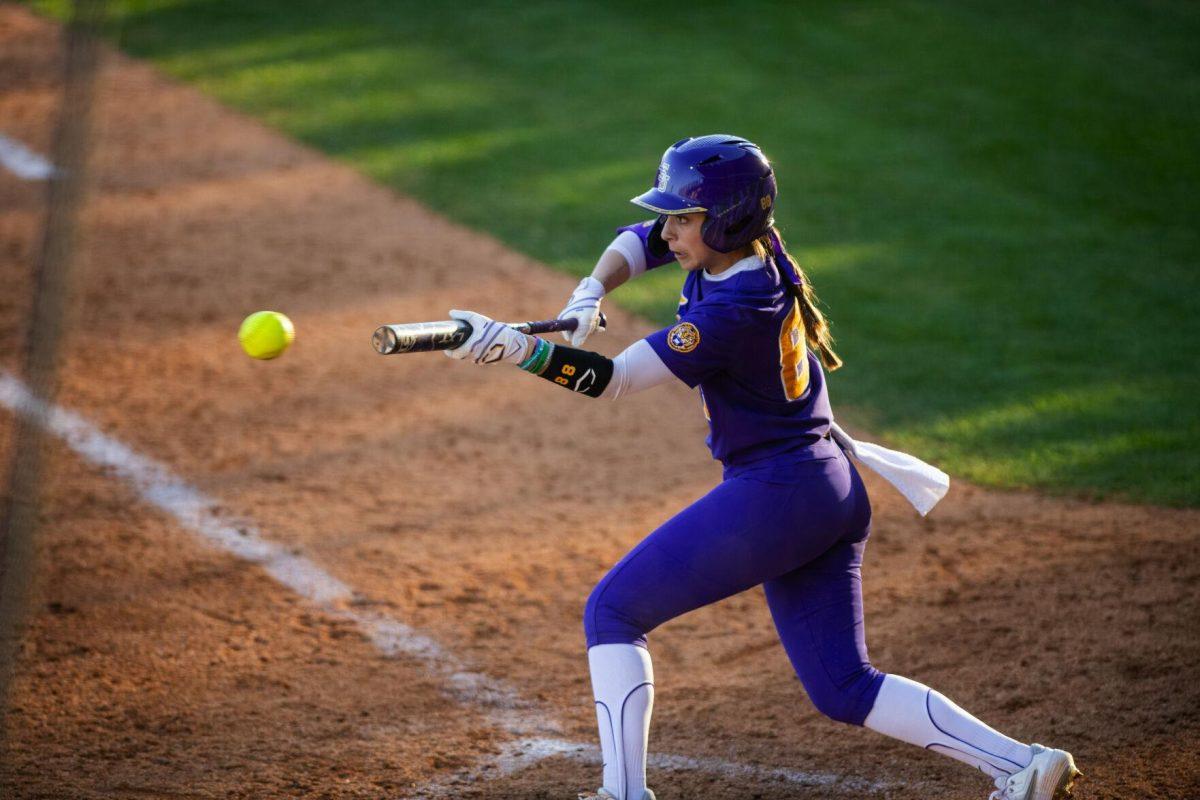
197	512
518	754
23	162
514	756
161	488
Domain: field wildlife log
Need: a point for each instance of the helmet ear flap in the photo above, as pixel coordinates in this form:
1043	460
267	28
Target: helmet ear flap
735	228
720	240
706	229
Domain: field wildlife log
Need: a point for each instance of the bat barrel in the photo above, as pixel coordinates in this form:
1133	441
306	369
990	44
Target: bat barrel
420	337
384	340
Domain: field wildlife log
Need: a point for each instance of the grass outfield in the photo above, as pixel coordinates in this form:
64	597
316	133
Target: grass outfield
998	207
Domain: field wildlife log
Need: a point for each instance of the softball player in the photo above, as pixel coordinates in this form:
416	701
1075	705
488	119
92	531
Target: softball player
791	512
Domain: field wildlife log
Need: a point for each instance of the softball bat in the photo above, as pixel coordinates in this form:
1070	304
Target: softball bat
423	337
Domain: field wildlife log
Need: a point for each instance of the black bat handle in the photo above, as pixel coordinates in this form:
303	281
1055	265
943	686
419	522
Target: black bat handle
553	325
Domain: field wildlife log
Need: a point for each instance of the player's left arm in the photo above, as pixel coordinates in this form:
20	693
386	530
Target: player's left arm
581	371
637	368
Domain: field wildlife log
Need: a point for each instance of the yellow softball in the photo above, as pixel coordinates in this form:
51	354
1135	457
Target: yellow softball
266	334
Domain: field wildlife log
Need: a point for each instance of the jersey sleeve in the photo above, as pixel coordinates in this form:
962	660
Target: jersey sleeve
654	250
702	343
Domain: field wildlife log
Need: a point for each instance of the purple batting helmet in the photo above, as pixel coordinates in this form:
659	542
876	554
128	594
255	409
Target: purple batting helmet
727	178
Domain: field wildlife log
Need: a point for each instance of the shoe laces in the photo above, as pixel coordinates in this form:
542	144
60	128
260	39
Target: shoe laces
1002	787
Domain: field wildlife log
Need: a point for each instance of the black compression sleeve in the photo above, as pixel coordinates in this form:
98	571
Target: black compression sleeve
580	371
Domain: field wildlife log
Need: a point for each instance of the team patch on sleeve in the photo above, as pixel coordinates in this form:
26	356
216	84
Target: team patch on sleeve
684	337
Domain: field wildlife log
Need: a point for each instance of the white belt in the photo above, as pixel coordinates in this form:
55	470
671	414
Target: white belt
922	484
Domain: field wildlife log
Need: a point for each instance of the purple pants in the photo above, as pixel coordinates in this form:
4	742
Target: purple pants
799	530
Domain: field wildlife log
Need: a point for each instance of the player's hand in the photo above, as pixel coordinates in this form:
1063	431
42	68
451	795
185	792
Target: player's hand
490	341
583	306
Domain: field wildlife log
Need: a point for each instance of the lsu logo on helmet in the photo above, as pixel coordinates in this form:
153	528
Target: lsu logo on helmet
684	337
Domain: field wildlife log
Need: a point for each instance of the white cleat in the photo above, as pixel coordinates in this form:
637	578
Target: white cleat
605	794
1050	776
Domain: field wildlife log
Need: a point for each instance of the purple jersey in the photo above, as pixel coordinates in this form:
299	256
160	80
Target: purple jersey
740	338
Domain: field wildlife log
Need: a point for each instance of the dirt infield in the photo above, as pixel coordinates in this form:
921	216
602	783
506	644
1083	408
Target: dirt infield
450	498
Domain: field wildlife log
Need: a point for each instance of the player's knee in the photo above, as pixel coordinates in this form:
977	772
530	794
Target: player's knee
607	621
837	706
590	611
848	700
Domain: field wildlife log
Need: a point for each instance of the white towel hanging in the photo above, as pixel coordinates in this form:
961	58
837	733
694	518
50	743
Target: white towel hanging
922	484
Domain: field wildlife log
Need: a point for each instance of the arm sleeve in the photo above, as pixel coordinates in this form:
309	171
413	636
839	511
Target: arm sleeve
585	372
638	367
630	247
702	343
648	251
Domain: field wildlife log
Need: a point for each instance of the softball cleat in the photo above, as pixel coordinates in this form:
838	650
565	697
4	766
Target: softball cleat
1050	776
605	794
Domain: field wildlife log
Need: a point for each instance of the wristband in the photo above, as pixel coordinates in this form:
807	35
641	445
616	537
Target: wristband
581	371
537	360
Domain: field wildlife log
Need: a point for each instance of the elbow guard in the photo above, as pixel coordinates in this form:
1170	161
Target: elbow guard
581	371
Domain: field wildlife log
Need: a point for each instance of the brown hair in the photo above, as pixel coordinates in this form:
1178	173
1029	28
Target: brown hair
816	327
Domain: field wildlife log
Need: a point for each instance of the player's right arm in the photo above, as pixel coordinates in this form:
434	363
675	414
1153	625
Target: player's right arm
637	248
642	246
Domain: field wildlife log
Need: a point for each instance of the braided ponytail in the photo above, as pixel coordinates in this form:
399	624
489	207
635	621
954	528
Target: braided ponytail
816	327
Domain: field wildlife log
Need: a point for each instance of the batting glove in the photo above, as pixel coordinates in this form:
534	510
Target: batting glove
490	341
583	306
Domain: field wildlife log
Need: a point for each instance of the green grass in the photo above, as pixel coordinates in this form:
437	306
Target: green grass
997	202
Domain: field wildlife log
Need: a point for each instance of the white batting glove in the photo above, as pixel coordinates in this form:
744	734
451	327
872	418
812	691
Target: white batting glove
584	306
490	341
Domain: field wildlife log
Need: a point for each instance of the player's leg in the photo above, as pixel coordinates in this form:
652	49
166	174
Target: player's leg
740	534
730	540
623	687
818	612
914	713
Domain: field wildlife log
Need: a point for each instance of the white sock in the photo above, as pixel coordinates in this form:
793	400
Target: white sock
916	714
623	684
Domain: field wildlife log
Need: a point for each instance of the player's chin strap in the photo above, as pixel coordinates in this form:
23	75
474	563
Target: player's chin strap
922	484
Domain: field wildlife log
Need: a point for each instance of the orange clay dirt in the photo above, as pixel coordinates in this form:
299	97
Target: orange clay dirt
478	506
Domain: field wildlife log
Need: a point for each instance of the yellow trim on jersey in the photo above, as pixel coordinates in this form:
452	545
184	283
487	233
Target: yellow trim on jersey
793	355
